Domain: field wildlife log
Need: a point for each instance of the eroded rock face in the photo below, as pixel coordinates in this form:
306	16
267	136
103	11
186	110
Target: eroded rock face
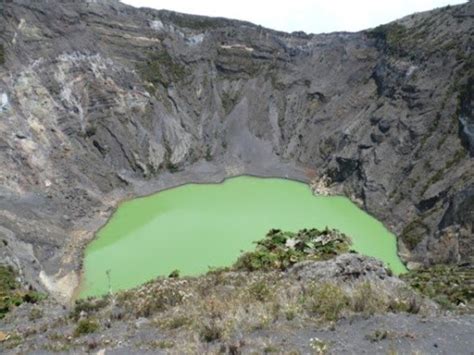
100	101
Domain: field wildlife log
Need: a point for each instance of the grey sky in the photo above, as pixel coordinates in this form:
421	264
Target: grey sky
312	16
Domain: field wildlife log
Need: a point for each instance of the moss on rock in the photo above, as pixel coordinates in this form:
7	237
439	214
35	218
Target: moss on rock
414	233
161	69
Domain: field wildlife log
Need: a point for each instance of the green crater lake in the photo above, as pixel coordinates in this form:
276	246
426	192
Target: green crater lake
197	226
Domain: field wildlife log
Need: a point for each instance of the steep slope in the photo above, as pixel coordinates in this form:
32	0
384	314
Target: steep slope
100	101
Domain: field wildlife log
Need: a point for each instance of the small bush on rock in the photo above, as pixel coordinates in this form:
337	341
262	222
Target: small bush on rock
86	326
327	300
280	250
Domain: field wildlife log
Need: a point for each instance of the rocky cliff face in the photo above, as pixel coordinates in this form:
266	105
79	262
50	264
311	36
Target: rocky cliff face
100	101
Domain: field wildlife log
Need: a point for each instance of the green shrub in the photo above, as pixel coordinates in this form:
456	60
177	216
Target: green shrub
33	297
11	294
86	326
280	250
88	305
291	312
171	167
7	279
174	274
378	335
327	300
367	300
257	260
150	303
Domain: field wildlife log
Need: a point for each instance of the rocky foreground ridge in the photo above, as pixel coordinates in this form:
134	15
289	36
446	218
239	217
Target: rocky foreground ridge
100	101
297	293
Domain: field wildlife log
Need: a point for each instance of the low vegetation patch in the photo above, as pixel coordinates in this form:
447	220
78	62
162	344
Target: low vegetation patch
161	69
391	35
86	326
143	303
367	300
414	233
279	250
88	306
450	286
11	293
327	300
